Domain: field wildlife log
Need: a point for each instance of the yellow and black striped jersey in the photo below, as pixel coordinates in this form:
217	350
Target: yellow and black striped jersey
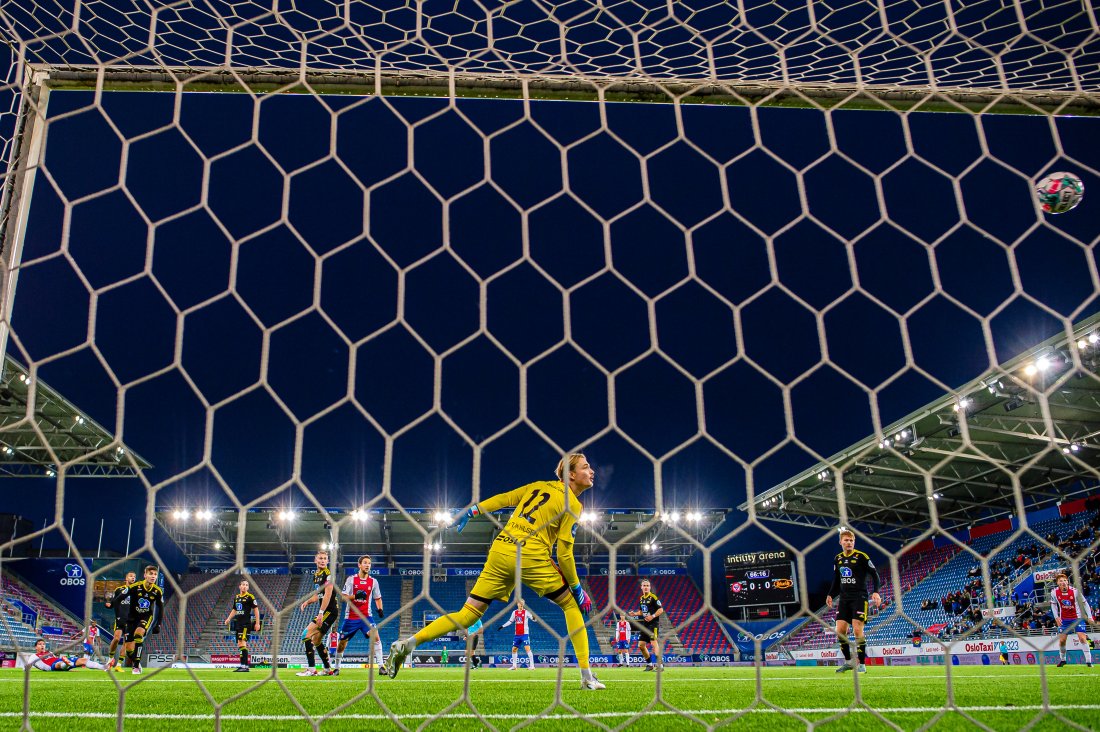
145	600
648	604
850	574
243	605
322	577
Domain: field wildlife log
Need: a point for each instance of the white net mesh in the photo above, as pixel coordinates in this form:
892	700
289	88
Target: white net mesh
348	299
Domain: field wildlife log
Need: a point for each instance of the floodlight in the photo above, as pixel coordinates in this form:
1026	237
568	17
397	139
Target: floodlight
1094	338
217	546
1043	363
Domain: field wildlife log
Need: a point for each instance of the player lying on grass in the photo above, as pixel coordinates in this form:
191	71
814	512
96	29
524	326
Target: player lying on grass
44	660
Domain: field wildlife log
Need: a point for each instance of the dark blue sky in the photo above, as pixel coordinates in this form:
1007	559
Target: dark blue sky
578	285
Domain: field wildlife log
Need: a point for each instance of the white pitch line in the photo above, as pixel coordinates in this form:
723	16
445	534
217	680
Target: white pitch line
466	715
669	677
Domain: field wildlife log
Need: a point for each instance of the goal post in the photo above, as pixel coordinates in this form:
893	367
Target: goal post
713	292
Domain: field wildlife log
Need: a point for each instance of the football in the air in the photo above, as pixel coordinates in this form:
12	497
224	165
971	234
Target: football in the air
1059	192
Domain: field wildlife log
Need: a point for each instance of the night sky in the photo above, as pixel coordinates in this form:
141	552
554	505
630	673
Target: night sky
661	275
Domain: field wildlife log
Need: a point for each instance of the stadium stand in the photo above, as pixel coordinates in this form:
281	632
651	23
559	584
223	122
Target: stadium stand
217	637
1024	554
680	598
199	607
16	588
14	633
915	567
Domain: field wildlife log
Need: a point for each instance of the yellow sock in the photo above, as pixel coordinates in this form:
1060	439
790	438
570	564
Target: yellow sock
451	623
578	634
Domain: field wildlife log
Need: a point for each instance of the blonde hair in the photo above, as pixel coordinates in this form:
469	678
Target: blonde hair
847	532
571	460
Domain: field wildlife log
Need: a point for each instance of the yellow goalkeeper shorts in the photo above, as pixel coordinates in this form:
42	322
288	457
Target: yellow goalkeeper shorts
498	577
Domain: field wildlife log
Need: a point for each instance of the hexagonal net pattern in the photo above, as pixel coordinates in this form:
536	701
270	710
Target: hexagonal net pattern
411	257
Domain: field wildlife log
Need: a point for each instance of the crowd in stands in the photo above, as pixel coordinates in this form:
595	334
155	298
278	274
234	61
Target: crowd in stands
1030	616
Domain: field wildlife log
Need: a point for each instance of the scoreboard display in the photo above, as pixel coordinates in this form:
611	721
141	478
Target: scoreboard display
761	578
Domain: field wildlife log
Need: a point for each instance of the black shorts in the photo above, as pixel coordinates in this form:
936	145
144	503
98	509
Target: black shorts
647	633
120	625
241	629
135	622
328	617
852	608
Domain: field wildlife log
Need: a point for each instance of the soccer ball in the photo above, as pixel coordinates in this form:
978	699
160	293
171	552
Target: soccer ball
1059	192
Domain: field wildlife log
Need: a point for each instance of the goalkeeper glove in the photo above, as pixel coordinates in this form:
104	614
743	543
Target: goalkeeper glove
380	613
465	518
583	601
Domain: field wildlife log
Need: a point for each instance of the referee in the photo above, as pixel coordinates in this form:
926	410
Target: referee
851	570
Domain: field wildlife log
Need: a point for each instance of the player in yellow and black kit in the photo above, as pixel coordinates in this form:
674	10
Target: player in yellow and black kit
851	570
316	635
245	619
119	601
146	609
648	612
545	517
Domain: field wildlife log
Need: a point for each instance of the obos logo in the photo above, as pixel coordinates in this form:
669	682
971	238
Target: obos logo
74	575
845	571
144	604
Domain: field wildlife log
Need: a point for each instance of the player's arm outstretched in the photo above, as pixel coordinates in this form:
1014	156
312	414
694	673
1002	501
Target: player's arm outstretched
508	499
511	619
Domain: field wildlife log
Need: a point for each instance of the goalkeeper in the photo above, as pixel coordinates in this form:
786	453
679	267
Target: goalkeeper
545	515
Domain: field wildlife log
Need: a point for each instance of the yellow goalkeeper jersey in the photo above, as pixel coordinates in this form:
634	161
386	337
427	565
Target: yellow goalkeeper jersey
545	514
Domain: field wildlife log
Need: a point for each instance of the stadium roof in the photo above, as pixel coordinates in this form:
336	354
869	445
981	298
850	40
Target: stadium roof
959	458
37	436
209	537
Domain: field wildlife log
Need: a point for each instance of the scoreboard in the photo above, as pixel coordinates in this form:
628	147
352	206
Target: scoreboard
761	578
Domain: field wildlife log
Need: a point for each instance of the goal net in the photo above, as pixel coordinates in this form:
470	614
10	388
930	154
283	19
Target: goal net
368	263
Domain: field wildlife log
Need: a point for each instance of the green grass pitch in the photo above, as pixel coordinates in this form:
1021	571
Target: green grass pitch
1004	698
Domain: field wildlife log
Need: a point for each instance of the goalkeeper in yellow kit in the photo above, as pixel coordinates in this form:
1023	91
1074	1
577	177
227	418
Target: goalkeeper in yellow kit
545	514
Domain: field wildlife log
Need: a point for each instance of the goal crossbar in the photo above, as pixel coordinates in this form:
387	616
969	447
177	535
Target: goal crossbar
590	88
